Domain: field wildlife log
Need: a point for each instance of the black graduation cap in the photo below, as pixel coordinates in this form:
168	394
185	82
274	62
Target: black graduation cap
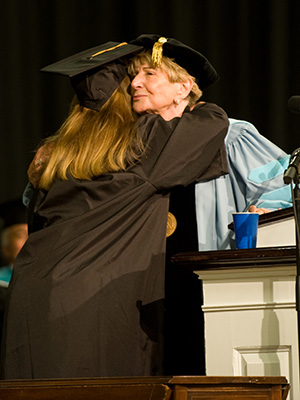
95	73
194	62
12	212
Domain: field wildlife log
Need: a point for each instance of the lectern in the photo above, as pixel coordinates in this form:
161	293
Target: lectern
249	311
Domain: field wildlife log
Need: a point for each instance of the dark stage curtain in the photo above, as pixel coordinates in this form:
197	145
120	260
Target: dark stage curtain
253	44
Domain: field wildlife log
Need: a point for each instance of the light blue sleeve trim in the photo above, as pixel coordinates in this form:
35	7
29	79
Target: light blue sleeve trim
284	194
277	198
269	171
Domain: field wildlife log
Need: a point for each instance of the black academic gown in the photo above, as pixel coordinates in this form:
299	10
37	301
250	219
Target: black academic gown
87	289
184	344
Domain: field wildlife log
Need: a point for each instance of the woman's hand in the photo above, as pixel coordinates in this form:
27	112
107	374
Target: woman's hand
261	210
39	163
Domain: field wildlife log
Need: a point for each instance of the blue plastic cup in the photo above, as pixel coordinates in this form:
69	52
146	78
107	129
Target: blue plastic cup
245	228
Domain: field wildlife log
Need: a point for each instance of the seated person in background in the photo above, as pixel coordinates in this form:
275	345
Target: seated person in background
14	233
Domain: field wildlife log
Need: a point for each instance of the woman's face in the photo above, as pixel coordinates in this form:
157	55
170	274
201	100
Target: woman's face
153	93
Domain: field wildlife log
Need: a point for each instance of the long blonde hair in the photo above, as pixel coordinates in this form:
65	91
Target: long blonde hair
174	71
91	143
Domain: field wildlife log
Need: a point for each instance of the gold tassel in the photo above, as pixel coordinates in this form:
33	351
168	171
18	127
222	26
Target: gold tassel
157	52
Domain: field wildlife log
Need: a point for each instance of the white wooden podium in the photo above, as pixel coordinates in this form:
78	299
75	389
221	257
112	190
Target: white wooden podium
249	311
277	229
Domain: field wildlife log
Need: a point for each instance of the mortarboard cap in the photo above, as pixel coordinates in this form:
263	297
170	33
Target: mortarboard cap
194	62
95	73
12	212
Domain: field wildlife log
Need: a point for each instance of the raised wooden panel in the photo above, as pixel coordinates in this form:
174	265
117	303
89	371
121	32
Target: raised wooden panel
143	388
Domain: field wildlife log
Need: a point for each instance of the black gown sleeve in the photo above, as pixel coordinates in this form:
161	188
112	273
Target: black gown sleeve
194	150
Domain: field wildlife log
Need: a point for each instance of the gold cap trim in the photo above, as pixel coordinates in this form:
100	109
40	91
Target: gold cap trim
104	51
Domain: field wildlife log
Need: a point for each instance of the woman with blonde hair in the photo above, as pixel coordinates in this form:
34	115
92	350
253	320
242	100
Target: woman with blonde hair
87	294
91	143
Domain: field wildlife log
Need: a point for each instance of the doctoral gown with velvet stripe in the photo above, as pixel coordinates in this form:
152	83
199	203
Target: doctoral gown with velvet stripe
86	295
